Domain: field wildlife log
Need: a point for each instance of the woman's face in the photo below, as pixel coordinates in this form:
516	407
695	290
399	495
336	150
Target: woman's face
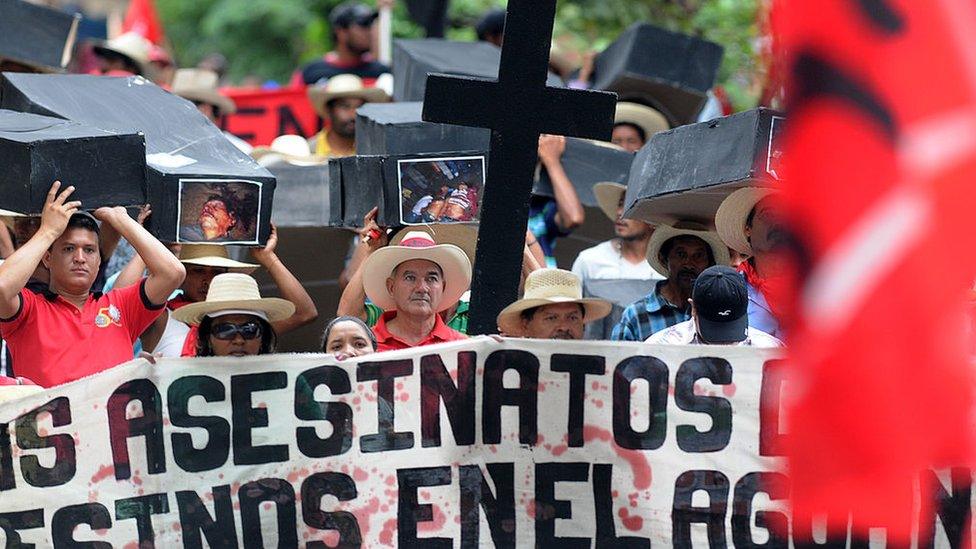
348	339
236	335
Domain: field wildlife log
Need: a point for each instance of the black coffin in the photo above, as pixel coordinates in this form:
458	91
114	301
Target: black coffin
301	195
39	37
685	173
413	60
106	168
397	128
190	162
666	70
587	163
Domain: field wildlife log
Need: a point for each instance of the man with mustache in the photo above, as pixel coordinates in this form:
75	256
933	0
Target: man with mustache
552	307
412	283
682	251
336	101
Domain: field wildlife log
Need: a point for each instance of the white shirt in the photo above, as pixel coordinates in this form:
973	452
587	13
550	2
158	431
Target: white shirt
685	333
422	203
174	336
604	261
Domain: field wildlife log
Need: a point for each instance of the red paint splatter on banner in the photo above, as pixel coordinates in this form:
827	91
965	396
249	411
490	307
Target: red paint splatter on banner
175	526
292	477
631	522
42	431
595	385
638	462
425	495
390	480
356	400
101	532
103	473
598	403
671	390
131	545
266	506
530	508
363	514
559	450
399	386
539	439
137	480
698	390
386	534
433	525
330	537
729	390
359	474
404	396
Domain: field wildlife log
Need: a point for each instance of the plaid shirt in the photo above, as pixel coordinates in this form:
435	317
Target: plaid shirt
651	314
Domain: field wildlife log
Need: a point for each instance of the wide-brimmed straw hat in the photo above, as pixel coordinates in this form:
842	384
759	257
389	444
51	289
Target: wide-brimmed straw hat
462	235
343	85
292	149
608	197
212	255
549	287
730	219
239	293
201	85
663	233
417	245
131	45
644	117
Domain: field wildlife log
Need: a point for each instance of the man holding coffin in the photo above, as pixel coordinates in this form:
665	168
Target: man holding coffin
65	332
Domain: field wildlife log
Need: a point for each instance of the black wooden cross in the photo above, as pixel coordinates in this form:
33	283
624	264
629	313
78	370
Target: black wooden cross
518	107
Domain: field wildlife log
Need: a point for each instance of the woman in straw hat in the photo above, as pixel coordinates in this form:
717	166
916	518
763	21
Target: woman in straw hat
552	307
235	320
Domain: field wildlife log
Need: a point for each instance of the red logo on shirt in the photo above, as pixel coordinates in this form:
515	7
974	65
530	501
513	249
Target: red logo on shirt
108	316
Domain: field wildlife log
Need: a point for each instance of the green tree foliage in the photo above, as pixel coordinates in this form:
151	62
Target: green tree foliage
269	38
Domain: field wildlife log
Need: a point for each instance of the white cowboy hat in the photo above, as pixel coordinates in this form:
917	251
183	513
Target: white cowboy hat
663	233
730	219
292	149
343	85
608	197
416	245
201	85
462	235
547	287
644	117
212	255
239	293
131	45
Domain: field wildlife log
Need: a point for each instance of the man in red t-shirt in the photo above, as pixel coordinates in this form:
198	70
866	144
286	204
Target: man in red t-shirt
413	282
65	332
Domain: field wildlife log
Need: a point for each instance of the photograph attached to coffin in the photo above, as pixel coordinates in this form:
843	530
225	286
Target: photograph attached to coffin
219	211
441	190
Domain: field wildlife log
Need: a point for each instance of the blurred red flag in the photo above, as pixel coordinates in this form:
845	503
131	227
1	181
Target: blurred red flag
143	19
881	152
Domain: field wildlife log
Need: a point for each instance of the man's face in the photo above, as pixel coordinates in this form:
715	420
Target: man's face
767	233
358	38
215	220
687	258
207	110
630	229
73	260
197	281
417	287
626	136
342	116
556	321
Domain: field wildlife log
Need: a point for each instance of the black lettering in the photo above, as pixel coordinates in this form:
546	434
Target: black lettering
606	528
410	511
219	528
10	523
436	386
282	495
772	441
148	425
338	414
684	514
215	453
777	486
499	508
344	522
246	417
578	367
836	538
288	123
548	508
385	374
525	397
656	374
66	519
250	111
719	372
950	506
142	508
28	438
7	480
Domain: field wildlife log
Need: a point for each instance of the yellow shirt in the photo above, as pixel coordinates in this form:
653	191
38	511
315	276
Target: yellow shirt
324	149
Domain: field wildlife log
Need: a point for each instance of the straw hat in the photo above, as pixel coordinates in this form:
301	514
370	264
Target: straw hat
212	255
292	149
416	245
730	219
648	119
239	293
201	85
131	45
608	196
547	287
343	85
663	233
462	235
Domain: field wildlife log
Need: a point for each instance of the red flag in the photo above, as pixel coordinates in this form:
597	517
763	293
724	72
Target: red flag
881	151
143	19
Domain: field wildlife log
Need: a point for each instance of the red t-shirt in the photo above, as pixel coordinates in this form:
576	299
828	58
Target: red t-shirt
389	342
53	342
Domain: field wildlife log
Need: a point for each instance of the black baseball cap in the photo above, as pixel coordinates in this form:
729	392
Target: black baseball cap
722	303
348	13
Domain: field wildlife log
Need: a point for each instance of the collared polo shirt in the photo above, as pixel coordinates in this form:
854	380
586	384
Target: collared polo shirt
52	342
389	342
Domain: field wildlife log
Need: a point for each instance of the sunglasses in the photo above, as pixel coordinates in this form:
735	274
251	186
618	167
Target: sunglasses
227	331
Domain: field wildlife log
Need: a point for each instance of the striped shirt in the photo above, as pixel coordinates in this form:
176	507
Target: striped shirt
651	314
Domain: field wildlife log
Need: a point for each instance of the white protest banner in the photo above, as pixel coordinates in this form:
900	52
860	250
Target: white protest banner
474	443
